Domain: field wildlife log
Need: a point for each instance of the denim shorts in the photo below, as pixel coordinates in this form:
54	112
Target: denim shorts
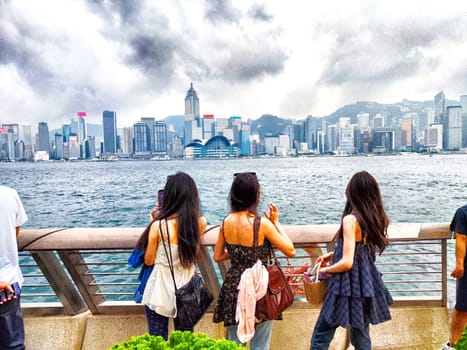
11	325
461	294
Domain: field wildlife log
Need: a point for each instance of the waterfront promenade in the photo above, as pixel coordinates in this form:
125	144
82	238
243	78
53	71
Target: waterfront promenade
88	299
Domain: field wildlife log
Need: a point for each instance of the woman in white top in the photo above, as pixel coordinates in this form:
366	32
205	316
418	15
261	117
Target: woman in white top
179	221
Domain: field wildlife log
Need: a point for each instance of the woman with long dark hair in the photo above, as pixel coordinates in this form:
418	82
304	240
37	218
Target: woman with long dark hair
179	222
357	295
236	242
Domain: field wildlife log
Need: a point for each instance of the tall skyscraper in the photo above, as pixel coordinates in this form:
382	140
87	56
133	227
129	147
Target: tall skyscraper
44	139
209	126
192	125
109	125
235	123
58	141
440	107
406	133
245	148
25	134
160	137
346	136
150	123
453	128
66	131
140	133
311	132
127	142
82	127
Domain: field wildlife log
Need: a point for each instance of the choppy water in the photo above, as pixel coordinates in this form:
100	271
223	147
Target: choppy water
415	188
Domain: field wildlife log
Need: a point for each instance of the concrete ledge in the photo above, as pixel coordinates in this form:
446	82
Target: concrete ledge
55	332
411	328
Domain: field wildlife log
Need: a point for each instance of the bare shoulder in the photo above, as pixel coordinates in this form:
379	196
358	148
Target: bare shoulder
202	223
349	219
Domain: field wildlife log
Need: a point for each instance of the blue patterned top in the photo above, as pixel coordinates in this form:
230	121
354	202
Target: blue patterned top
359	295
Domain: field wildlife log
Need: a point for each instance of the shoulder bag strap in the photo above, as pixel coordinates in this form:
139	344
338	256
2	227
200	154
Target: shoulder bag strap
169	252
256	224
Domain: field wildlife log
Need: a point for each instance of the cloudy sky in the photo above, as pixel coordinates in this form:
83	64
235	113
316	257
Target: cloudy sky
248	58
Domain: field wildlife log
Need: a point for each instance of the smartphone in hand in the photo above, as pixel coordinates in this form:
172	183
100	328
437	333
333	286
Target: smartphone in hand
160	198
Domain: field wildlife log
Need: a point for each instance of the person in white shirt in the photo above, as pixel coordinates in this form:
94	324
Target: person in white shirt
12	216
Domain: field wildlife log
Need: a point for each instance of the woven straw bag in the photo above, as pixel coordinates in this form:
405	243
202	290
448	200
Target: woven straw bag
315	289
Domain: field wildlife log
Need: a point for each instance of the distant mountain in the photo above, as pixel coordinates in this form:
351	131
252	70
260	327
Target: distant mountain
269	125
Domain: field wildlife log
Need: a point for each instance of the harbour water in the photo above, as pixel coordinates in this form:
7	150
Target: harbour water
415	188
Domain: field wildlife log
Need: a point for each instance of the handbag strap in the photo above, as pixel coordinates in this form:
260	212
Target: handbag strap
169	253
256	224
272	254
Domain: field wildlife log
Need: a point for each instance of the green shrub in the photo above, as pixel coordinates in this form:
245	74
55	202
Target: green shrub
462	342
178	340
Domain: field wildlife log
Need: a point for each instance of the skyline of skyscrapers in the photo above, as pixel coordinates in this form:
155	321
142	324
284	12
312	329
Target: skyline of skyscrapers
440	127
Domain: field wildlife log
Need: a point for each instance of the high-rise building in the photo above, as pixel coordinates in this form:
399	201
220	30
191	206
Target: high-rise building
332	137
58	142
127	142
192	125
141	142
160	137
245	149
406	133
66	131
90	147
312	124
25	134
221	124
209	126
43	138
363	121
82	127
109	125
270	144
346	136
440	107
434	137
378	121
453	128
73	144
150	123
235	123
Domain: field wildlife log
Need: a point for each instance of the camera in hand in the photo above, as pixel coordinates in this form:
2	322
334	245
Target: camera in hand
6	295
160	198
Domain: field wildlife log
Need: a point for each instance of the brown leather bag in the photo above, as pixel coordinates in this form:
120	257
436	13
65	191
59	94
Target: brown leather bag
279	295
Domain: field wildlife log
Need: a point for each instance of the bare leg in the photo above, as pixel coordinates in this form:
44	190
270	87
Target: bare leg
459	321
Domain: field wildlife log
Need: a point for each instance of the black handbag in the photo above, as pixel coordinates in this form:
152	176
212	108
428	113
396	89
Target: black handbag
279	295
192	299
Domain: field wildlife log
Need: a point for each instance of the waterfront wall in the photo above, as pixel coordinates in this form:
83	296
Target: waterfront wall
86	318
412	328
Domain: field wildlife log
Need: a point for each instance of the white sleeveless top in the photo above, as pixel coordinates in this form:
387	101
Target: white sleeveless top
159	294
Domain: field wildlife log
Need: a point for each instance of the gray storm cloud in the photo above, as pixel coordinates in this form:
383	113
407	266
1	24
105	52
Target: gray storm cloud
221	11
383	53
259	13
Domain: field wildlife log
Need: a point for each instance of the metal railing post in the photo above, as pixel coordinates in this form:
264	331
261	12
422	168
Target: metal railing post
444	273
60	282
77	268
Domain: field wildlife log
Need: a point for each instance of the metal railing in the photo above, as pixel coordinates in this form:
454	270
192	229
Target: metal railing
69	271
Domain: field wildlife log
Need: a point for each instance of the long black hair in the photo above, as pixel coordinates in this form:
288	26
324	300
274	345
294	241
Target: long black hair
181	200
365	203
244	193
